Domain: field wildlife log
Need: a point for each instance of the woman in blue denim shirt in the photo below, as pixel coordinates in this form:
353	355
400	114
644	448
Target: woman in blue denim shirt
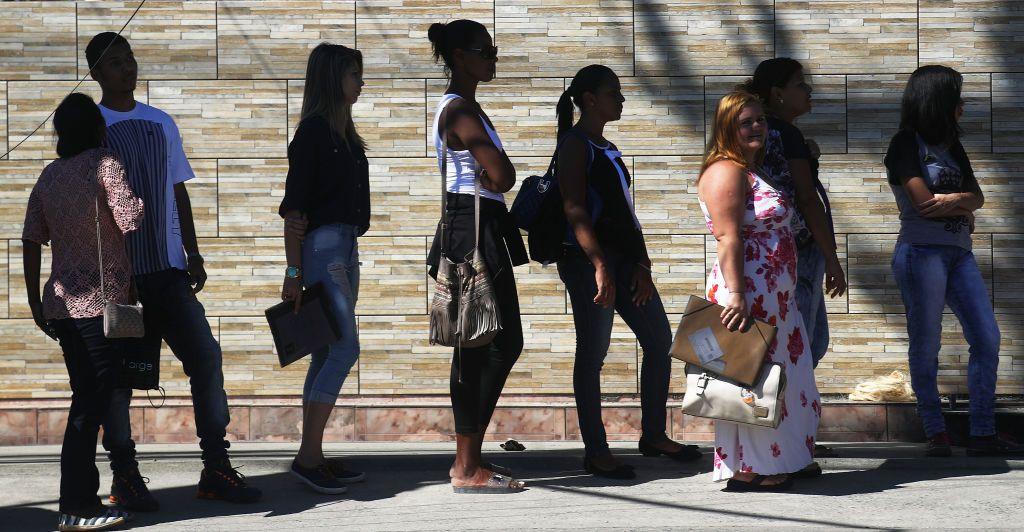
326	207
937	193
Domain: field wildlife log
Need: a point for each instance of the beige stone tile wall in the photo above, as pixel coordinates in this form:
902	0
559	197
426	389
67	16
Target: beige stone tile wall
230	73
258	39
171	40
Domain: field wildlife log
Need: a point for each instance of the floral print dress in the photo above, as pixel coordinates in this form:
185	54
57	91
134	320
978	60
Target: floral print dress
770	277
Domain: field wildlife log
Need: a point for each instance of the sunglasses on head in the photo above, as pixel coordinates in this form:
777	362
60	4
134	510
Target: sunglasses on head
487	53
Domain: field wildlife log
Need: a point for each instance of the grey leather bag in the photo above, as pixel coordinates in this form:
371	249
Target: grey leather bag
712	396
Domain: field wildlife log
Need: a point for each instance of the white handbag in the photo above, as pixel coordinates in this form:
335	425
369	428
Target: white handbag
712	396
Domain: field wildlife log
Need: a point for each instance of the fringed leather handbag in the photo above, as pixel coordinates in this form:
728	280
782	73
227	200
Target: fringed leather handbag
464	311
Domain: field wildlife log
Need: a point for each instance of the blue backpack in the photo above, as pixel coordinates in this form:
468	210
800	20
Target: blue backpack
538	210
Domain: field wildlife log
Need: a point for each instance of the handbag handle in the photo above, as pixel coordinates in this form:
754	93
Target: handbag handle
444	190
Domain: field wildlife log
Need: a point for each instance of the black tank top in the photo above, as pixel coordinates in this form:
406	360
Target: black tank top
615	224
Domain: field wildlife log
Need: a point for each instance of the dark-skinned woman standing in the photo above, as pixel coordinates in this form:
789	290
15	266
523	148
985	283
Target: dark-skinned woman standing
474	155
606	269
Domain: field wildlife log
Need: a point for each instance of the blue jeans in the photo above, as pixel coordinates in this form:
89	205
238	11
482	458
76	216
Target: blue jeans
593	336
929	277
330	255
810	298
93	363
173	314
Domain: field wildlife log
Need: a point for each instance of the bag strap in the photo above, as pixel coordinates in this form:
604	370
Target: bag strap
552	166
99	242
443	125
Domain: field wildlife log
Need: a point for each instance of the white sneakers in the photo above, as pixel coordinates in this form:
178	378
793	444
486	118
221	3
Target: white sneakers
107	518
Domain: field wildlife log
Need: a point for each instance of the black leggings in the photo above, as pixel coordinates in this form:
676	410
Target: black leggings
485	369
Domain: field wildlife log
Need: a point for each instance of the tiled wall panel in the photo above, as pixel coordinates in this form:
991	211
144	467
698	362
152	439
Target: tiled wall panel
171	40
272	39
249	192
557	38
231	74
226	118
661	115
695	37
972	35
37	40
1007	91
839	36
5	279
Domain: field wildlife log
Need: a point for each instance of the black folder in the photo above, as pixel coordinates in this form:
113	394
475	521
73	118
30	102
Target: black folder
299	334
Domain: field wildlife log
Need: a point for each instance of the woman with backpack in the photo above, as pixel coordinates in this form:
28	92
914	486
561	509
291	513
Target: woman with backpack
606	268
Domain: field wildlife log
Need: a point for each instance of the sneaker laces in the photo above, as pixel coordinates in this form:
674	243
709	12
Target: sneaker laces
135	482
231	474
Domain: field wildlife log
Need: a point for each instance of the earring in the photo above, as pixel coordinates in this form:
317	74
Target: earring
780	101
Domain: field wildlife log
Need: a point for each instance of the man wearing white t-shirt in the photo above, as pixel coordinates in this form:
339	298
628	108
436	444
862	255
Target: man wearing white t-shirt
168	273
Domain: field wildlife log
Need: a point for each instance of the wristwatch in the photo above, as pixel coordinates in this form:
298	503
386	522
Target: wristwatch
293	272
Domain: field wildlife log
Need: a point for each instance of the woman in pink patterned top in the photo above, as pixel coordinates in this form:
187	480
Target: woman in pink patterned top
62	212
755	278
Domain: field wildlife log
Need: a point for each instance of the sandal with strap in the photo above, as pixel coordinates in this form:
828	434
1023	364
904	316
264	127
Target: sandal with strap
496	484
757	484
501	470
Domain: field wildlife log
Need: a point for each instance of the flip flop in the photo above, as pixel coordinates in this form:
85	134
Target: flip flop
495	484
757	484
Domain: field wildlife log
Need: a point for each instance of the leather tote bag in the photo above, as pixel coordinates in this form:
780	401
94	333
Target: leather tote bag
712	396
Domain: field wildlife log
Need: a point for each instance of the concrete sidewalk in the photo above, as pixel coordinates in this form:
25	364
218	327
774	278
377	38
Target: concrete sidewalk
874	486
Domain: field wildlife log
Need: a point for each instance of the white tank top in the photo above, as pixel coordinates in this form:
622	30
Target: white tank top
463	168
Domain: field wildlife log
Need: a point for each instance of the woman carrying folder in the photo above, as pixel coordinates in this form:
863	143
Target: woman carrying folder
326	207
755	277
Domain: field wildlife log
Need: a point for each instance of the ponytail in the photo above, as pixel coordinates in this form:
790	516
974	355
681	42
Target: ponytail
565	111
588	79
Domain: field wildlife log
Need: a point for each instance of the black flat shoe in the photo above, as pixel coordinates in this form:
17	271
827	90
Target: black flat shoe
757	484
811	471
688	453
621	472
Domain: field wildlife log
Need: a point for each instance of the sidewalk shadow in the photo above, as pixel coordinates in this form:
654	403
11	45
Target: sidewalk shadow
894	473
388	475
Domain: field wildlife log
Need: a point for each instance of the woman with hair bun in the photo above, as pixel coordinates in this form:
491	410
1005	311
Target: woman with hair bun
466	141
606	268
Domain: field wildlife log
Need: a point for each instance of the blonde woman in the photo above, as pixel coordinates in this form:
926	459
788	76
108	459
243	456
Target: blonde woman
326	208
755	277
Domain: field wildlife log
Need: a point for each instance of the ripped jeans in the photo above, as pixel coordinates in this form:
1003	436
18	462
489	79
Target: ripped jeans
330	254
